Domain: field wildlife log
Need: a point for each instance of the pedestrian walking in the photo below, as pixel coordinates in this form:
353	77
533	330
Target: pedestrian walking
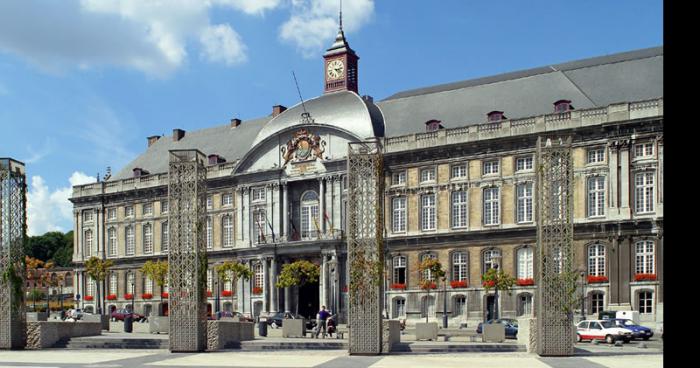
321	321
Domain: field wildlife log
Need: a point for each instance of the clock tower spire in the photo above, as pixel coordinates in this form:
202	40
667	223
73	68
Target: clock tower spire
340	63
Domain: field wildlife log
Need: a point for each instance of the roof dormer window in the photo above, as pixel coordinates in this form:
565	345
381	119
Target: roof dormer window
433	125
138	172
562	106
215	159
495	116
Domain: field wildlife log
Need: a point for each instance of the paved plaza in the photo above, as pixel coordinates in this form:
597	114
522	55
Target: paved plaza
591	356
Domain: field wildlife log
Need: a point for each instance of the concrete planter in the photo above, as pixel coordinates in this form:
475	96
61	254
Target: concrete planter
226	334
391	334
494	332
45	334
104	320
293	328
36	316
426	331
158	324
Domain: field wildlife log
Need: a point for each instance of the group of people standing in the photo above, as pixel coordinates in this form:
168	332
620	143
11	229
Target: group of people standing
325	321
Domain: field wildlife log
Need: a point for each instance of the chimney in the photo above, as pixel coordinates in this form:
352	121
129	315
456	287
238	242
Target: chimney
178	134
278	109
152	139
235	122
495	116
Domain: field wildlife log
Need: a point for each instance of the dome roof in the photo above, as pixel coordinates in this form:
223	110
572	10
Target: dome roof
344	109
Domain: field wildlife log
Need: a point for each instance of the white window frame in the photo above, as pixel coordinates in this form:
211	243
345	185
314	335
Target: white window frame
644	150
130	240
399	310
460	209
644	192
427	175
526	161
113	284
398	178
595	186
524	206
164	206
597	302
595	155
309	212
148	209
399	262
209	233
427	275
460	266
648	306
226	200
147	239
398	220
227	231
491	206
258	278
88	215
459	307
257	194
428	212
111	214
210	202
491	167
525	261
259	224
88	239
596	259
112	242
129	211
462	171
488	260
164	236
645	257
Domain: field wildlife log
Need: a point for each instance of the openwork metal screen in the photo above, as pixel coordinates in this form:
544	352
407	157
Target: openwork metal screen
365	247
187	256
13	222
555	231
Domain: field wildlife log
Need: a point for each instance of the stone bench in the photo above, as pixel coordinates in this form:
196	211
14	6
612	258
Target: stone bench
226	334
44	334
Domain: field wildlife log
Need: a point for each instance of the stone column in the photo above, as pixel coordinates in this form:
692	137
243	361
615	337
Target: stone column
625	202
285	212
323	282
240	211
613	180
274	304
263	264
334	284
322	204
274	215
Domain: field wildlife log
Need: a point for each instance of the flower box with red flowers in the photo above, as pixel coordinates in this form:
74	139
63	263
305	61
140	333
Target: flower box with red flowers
164	295
525	282
597	279
257	290
227	293
128	296
456	284
645	277
208	293
147	296
112	297
490	283
345	289
428	285
398	286
89	298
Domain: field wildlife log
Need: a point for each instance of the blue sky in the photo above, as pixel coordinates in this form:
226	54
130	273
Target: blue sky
84	82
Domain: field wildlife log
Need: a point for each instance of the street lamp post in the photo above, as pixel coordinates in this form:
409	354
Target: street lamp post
583	295
444	302
495	299
218	298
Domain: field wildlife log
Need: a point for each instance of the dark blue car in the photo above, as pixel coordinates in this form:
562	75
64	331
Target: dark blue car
638	331
511	326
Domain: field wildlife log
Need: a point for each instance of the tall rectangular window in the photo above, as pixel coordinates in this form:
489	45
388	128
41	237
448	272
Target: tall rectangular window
148	209
164	206
112	284
147	239
644	258
524	202
597	303
227	199
129	211
260	222
227	231
428	212
112	242
399	307
87	215
164	236
644	300
491	206
399	214
147	286
130	244
87	243
258	275
596	260
525	263
210	233
596	196
210	202
644	192
459	266
399	270
111	214
459	209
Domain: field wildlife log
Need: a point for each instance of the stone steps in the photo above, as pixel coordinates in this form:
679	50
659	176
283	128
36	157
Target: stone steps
112	343
418	347
292	345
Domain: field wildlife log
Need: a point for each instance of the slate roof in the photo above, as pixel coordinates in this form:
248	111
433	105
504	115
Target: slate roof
596	82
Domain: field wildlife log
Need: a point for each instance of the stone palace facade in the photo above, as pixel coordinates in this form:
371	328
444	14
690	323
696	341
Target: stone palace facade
459	171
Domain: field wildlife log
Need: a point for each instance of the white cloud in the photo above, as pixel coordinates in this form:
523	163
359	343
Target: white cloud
314	23
257	7
221	44
148	35
51	210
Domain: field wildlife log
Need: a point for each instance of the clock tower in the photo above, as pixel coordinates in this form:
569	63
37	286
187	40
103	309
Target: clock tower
340	65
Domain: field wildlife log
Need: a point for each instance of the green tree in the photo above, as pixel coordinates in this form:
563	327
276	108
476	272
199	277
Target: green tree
498	280
97	269
298	274
53	245
33	274
158	272
436	272
233	271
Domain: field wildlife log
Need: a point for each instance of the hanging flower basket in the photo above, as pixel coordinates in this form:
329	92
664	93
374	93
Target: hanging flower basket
89	298
112	297
128	296
209	293
490	283
345	289
398	286
257	290
426	285
227	293
164	295
456	284
597	279
525	282
147	296
645	277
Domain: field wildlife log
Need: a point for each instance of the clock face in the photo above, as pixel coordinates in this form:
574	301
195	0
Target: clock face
335	69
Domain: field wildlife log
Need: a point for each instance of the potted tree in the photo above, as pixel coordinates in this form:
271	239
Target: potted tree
296	274
158	272
233	271
498	280
97	269
428	330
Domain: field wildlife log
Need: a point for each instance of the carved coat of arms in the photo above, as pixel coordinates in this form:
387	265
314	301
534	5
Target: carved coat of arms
302	147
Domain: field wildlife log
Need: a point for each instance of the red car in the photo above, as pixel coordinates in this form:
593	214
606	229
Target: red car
120	314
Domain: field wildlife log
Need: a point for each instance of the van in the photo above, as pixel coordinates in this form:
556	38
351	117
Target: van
633	315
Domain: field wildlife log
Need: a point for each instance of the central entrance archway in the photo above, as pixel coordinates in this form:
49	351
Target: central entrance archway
308	300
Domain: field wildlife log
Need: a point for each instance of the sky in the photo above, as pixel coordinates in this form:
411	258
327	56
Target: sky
84	82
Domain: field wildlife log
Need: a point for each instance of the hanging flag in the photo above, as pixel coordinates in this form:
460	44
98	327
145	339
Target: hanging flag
316	225
271	229
295	233
325	216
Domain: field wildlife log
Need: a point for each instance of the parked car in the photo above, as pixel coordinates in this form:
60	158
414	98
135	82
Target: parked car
229	314
120	314
638	331
275	320
602	330
511	326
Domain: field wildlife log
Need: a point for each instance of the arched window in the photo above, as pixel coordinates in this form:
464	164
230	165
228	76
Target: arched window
427	274
596	260
399	310
460	306
112	242
309	215
147	239
525	263
460	269
644	257
227	231
490	258
399	273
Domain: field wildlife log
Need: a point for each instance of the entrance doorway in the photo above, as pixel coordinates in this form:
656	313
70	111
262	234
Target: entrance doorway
308	301
490	307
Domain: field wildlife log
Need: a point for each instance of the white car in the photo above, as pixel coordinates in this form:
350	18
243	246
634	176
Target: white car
602	330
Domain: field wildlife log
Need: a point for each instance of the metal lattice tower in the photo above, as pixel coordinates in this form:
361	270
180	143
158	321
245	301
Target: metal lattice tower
365	247
555	234
187	256
13	226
